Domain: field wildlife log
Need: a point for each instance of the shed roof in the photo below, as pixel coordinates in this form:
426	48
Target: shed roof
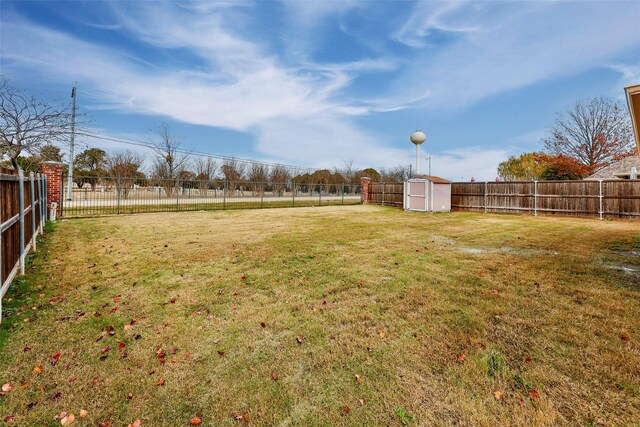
435	179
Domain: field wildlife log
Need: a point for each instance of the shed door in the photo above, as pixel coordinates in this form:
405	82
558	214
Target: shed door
416	196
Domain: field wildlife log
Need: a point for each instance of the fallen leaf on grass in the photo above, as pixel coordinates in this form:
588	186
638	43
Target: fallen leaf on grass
37	369
358	379
127	326
382	334
497	394
361	401
6	388
461	358
241	417
9	419
136	423
216	341
111	330
160	381
625	338
105	349
121	345
54	358
55	395
67	419
195	421
346	410
299	340
534	393
129	395
83	413
221	353
104	424
274	376
264	325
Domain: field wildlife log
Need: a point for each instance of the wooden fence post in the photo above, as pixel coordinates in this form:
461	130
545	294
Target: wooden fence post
535	198
383	194
600	209
486	186
34	232
21	213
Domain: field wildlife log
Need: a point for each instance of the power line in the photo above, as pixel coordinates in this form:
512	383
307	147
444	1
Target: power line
96	135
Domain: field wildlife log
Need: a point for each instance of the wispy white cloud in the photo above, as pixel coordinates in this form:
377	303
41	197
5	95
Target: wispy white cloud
493	47
429	17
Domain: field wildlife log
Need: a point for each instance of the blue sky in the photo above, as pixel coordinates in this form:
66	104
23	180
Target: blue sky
319	83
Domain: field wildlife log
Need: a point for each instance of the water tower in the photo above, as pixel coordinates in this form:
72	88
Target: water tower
418	137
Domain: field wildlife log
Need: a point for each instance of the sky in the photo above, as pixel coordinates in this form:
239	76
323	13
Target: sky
318	83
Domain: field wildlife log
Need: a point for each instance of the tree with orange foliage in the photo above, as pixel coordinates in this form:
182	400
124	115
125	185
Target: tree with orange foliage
595	133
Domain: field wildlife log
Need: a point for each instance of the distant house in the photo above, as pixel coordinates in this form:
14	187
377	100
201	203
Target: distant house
618	170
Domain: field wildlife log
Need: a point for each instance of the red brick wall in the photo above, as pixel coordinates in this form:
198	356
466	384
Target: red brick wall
53	171
364	183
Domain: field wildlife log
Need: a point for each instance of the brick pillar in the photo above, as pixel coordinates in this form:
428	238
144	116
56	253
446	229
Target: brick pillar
53	171
364	185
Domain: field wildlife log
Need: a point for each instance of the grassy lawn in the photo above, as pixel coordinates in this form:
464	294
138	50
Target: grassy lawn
355	315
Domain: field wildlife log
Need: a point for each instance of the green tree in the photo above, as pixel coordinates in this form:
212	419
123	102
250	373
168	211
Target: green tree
525	167
90	166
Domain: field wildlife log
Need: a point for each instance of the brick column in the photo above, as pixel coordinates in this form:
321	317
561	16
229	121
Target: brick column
54	171
364	186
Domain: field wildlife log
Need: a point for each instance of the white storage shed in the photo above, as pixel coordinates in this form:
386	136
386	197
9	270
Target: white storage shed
427	194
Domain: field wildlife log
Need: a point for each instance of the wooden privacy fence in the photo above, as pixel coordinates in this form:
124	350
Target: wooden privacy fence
23	211
601	199
386	193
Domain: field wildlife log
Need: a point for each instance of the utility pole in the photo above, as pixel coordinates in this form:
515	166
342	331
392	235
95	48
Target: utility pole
429	159
73	135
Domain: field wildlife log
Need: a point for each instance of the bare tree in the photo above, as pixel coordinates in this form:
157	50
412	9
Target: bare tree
169	159
26	123
595	132
206	169
257	176
233	171
348	172
398	173
125	168
279	176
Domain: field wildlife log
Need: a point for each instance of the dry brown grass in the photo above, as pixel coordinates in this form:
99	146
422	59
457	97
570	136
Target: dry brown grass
532	303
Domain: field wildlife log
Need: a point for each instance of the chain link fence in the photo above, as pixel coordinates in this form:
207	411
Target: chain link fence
94	196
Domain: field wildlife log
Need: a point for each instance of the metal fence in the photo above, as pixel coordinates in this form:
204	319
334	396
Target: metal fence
93	196
23	211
